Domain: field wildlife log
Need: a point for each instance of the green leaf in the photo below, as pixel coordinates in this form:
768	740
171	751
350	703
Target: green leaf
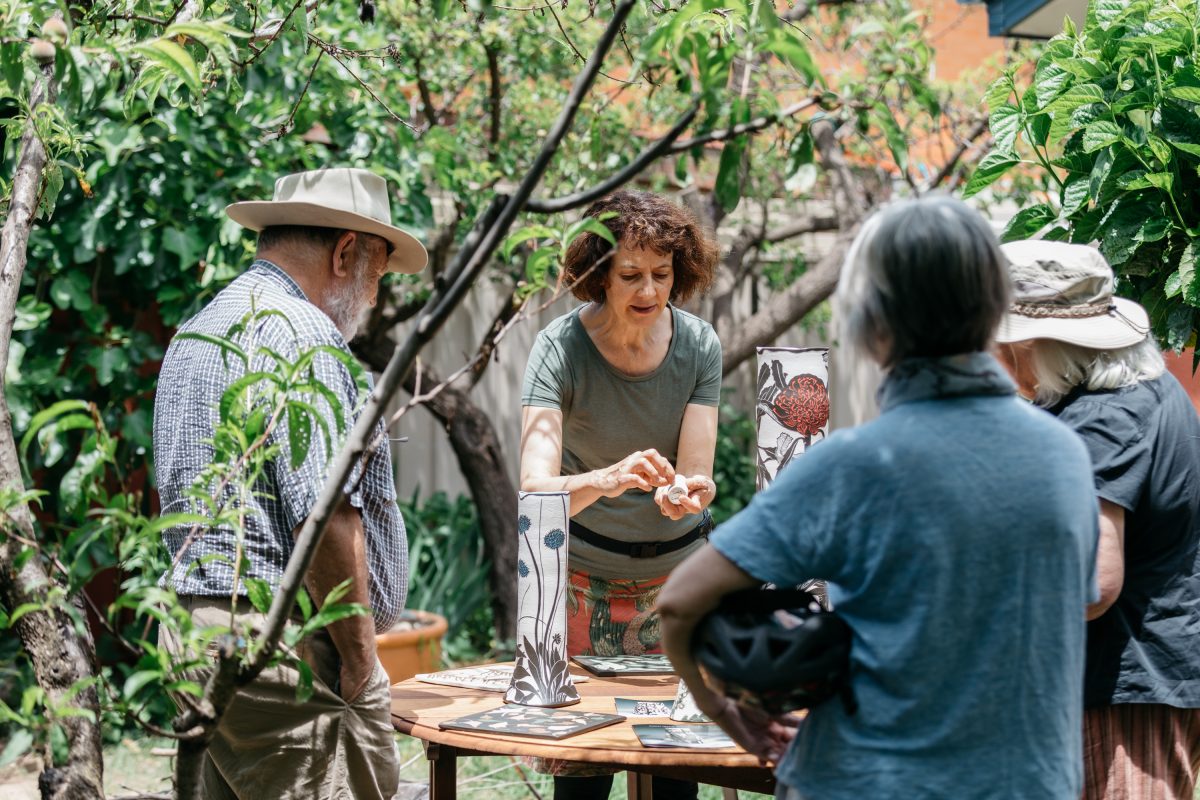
988	171
72	290
305	603
588	225
1189	275
299	434
1185	85
137	681
1103	13
19	743
238	397
791	50
304	687
897	142
108	362
728	188
260	594
1100	134
173	59
227	347
524	235
44	417
1049	81
1027	222
1074	195
1005	123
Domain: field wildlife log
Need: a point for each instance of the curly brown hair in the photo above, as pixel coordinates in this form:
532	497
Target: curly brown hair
649	221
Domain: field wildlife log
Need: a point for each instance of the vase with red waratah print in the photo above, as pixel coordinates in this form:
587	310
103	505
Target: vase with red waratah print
792	411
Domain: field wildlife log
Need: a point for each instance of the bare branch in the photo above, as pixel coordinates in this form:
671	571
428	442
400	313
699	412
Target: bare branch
617	179
947	169
494	93
756	124
334	53
429	109
782	312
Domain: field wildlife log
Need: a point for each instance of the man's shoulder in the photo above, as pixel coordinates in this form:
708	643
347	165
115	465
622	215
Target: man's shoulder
282	317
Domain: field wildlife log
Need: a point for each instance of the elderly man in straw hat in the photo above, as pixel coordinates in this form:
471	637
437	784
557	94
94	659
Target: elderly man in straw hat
324	241
1089	358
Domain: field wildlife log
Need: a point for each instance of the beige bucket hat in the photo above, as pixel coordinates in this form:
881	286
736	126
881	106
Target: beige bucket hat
352	199
1064	292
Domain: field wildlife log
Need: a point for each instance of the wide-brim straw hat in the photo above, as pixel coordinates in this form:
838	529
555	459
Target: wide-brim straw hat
350	199
1064	292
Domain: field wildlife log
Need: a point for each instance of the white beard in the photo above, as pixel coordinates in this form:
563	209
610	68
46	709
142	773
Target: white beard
347	304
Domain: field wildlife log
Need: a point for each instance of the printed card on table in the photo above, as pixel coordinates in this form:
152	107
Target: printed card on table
686	737
542	723
612	666
644	707
488	677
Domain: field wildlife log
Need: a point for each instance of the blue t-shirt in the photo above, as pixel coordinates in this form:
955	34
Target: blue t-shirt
958	533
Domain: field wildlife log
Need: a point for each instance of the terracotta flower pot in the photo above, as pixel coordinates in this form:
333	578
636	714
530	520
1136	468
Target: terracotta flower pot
414	645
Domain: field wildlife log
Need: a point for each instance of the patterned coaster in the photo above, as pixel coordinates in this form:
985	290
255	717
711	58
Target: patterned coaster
609	666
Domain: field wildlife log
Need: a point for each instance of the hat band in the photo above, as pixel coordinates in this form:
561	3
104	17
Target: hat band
1039	310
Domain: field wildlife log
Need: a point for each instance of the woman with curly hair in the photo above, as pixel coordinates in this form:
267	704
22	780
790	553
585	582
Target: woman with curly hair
620	397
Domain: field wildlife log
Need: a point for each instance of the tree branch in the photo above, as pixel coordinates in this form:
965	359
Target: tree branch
947	169
756	124
786	308
617	179
470	262
494	93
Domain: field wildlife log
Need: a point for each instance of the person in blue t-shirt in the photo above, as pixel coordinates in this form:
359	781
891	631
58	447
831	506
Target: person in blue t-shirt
957	533
1088	357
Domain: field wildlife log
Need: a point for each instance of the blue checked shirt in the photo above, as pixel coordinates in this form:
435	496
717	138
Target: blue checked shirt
193	378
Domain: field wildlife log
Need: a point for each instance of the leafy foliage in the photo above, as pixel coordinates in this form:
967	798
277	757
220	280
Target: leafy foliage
1110	125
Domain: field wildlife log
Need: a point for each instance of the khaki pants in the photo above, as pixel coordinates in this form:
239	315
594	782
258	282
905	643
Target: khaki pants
268	745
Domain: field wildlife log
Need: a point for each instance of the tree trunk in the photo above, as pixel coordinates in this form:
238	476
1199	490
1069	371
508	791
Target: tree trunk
60	650
481	461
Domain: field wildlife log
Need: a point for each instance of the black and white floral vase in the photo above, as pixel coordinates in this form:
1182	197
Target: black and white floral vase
685	708
791	412
541	676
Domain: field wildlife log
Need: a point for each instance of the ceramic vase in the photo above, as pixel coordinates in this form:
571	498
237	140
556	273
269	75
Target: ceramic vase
685	708
793	405
792	412
541	677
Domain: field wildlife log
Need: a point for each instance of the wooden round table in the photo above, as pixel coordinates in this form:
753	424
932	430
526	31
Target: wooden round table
418	707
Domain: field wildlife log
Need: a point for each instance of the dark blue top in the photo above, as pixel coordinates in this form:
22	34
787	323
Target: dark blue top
1144	442
957	532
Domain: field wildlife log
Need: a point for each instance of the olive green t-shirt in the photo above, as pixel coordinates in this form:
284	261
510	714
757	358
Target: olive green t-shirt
607	415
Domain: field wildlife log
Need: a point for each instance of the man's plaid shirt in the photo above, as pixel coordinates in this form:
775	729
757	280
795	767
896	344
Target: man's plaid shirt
194	376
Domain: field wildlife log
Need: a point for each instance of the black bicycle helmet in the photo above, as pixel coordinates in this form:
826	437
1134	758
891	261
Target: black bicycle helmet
776	649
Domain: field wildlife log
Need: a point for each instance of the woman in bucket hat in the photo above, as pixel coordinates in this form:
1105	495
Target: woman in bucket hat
1088	357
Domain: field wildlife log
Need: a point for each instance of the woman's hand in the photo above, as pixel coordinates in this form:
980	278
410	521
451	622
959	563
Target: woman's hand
643	469
700	492
762	735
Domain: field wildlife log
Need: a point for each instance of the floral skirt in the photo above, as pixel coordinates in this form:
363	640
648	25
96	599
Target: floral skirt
606	617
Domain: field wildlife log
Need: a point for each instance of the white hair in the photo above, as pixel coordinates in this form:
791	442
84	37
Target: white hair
1060	367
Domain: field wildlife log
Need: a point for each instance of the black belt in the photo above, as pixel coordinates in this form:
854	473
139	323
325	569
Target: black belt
641	549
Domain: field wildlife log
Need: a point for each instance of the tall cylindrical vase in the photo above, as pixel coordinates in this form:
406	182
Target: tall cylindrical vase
792	412
793	405
541	676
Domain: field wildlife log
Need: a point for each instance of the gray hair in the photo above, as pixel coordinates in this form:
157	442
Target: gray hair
1059	367
923	278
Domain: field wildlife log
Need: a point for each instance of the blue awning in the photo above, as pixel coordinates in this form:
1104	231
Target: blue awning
1032	19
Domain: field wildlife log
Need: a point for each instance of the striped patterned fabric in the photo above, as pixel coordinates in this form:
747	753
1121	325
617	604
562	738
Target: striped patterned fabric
1140	752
